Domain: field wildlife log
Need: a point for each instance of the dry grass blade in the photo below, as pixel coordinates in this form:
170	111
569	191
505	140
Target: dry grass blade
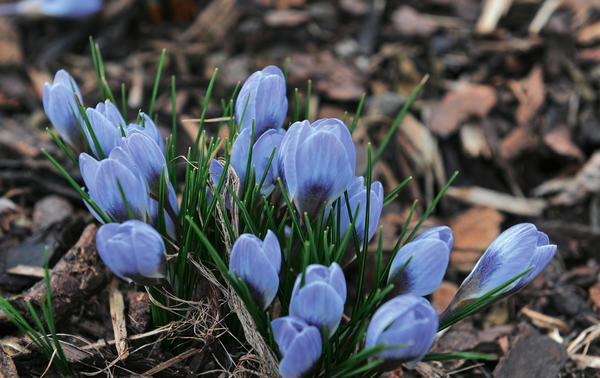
117	316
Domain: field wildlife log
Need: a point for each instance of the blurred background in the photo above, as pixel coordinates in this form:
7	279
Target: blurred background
510	101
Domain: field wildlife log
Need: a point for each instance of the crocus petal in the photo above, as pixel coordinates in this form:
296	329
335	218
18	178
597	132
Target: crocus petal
133	250
426	269
443	233
286	169
251	259
239	153
299	343
318	304
322	172
406	320
262	101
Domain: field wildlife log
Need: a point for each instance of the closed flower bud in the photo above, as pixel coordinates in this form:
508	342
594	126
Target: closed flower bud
263	98
429	255
408	321
321	300
299	343
107	123
357	193
133	250
147	126
257	263
100	178
60	104
261	154
53	8
317	163
515	250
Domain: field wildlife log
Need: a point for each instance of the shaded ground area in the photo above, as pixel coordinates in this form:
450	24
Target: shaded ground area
511	102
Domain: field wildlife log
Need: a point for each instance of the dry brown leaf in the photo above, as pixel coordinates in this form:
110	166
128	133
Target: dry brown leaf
559	140
476	228
10	43
516	142
585	182
473	141
589	34
442	296
530	92
329	75
285	17
458	105
408	21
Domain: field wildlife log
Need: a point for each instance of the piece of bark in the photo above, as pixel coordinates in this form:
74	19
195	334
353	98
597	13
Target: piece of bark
10	43
49	210
460	104
532	355
75	278
498	200
7	366
138	311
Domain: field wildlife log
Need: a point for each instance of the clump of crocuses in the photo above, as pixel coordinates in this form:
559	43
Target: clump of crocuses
278	232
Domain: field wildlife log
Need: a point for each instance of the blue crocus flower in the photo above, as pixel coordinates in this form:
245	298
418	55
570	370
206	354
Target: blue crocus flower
108	126
513	251
100	178
429	254
144	157
52	8
133	250
299	343
407	320
316	163
60	104
357	193
267	105
262	150
257	263
321	300
147	126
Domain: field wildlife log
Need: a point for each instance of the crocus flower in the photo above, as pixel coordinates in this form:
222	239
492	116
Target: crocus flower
357	193
147	126
108	126
60	104
429	254
262	150
299	343
267	105
513	251
316	163
52	8
408	321
321	300
100	178
133	250
257	263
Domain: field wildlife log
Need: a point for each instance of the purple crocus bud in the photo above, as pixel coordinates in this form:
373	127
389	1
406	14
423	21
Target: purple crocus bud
147	126
263	148
321	300
133	250
299	343
429	254
257	263
267	105
60	103
100	178
52	8
357	193
107	123
406	320
316	163
513	251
